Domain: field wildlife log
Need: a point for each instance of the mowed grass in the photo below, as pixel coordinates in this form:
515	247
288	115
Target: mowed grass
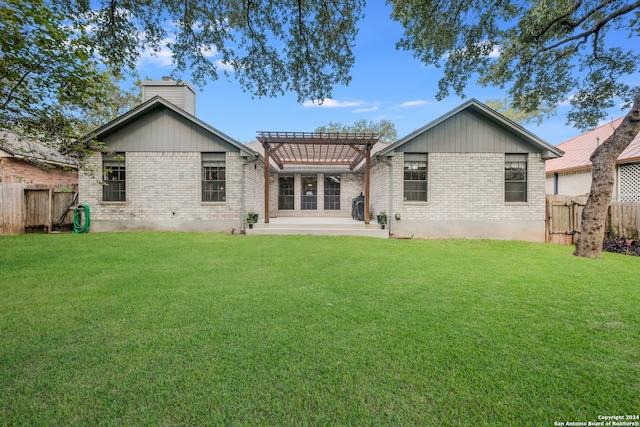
207	329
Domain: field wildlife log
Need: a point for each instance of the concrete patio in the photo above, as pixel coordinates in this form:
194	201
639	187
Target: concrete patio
325	226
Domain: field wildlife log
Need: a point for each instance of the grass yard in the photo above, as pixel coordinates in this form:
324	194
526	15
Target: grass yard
206	329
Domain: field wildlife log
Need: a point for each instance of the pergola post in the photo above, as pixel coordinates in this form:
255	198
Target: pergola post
367	182
266	182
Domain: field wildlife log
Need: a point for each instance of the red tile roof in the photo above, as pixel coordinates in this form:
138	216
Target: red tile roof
577	151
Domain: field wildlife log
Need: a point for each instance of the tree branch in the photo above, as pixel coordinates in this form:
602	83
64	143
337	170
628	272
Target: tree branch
14	89
597	27
307	54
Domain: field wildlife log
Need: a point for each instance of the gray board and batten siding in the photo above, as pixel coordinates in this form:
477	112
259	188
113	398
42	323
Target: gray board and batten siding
164	130
159	126
466	132
472	128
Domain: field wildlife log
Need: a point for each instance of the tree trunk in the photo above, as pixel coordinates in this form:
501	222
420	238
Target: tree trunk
604	158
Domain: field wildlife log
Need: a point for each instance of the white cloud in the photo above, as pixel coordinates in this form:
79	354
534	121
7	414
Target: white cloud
162	58
365	110
332	103
413	103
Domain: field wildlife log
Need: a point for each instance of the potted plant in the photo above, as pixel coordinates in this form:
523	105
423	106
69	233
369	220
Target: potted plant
252	218
382	219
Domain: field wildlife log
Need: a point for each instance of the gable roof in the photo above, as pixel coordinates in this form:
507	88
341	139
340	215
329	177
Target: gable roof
579	149
33	151
548	150
159	102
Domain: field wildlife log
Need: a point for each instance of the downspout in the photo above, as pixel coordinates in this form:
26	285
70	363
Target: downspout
243	212
390	216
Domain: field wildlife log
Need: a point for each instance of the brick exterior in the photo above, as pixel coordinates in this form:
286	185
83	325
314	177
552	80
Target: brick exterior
13	170
163	191
462	189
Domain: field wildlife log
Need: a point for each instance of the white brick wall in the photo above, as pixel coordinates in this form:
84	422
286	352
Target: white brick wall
167	186
461	186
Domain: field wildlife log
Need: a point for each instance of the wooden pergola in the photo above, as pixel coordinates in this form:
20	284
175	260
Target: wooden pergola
317	149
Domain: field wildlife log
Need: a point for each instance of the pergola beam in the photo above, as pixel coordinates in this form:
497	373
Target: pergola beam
318	149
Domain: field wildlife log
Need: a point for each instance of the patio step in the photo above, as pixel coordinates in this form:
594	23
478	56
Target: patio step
320	227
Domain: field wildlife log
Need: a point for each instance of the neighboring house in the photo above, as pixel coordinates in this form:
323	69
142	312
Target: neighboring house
30	162
31	176
471	173
571	174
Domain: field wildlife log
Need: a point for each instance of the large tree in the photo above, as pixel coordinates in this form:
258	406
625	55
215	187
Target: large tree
385	129
52	88
47	73
545	52
58	58
272	46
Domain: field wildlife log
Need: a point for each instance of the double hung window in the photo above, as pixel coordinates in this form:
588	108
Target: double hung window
213	177
114	175
415	177
515	178
285	193
332	192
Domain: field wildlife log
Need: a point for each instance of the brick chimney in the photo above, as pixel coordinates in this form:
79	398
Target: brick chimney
180	94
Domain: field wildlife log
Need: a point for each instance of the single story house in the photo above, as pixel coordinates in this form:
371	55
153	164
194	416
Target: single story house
570	175
471	173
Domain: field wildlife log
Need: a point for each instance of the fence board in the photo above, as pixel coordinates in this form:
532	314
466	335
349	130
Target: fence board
623	219
11	209
29	206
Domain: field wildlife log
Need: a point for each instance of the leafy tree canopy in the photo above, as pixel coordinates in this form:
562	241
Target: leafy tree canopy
273	47
544	51
385	129
47	72
52	88
504	107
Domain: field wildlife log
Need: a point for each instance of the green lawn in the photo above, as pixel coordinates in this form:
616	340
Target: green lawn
207	329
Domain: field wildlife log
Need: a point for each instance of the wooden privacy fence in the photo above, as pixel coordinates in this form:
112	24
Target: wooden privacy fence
564	215
27	208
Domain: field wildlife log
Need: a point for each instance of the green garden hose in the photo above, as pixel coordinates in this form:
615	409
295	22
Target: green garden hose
78	227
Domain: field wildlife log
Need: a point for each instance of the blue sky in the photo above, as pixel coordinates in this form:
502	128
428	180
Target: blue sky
386	84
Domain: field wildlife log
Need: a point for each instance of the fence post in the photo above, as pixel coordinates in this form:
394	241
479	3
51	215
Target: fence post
50	214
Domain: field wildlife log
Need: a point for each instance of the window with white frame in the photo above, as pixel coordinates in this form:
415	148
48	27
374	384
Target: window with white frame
213	177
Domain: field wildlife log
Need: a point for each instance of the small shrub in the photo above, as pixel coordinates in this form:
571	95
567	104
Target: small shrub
622	246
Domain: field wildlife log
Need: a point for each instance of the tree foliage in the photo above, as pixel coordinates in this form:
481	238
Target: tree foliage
52	88
504	107
273	46
385	129
47	73
544	51
62	60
